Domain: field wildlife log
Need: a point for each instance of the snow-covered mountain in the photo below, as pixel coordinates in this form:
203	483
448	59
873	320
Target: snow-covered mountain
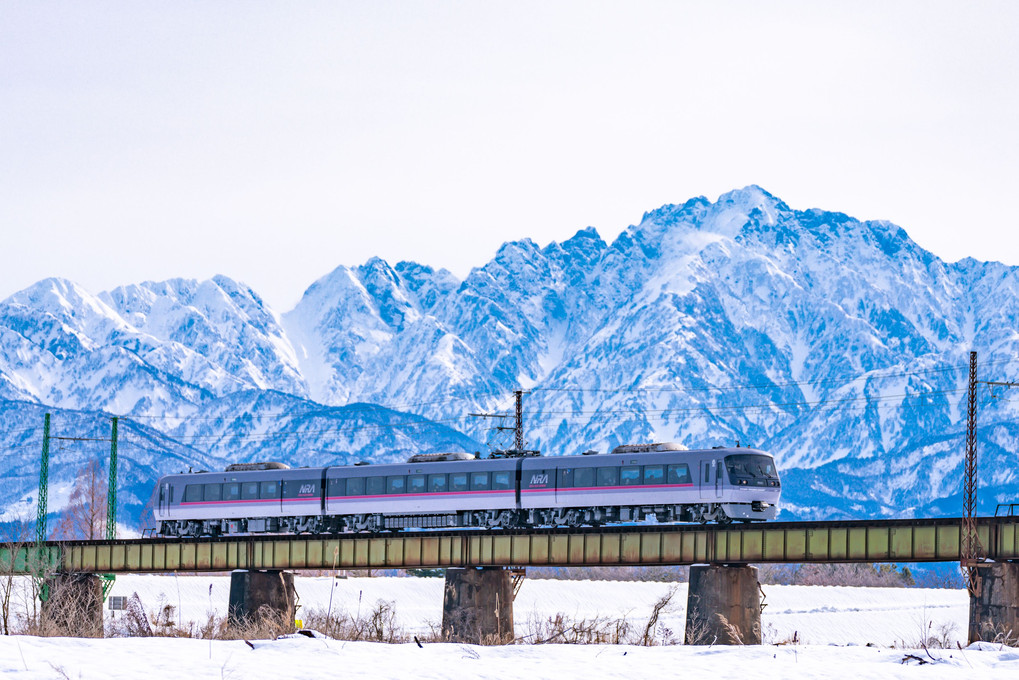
838	344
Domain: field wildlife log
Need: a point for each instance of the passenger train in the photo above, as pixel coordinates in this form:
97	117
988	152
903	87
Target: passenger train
432	491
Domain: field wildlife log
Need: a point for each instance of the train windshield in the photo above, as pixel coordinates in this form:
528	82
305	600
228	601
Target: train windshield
750	466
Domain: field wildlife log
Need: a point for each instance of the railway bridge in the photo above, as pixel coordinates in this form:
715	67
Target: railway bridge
723	582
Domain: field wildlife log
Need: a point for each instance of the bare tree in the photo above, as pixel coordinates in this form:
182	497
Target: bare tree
85	514
147	520
14	557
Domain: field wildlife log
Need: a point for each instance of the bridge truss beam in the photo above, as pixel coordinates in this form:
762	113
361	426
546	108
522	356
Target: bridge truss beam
932	540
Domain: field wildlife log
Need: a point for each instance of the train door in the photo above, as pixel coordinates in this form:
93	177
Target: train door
164	498
564	482
719	471
518	475
707	479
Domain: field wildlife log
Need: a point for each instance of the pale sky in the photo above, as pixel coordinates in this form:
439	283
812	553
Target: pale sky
273	141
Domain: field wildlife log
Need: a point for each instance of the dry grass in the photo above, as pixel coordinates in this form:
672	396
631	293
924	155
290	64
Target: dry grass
377	625
562	629
380	623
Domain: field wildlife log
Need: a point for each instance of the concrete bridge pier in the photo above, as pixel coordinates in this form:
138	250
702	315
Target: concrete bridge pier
723	606
477	605
73	606
262	598
994	610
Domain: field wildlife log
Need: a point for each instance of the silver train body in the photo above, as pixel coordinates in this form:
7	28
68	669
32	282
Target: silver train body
632	484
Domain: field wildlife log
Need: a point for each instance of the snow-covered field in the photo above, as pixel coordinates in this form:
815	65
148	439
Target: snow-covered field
816	615
833	625
130	659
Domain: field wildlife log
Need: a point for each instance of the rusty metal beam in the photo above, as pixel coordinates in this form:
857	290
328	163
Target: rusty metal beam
920	540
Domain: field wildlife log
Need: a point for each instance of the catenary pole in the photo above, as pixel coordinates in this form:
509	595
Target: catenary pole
44	481
111	489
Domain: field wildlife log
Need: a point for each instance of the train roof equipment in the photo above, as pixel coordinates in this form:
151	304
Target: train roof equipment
654	447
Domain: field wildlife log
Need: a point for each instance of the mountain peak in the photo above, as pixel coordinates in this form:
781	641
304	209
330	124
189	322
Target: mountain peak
752	195
64	299
745	202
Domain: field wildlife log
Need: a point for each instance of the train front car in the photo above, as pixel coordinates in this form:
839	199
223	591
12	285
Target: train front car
749	485
637	482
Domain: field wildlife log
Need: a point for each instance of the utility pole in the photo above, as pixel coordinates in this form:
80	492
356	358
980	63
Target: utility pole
970	539
111	488
972	551
518	428
44	482
518	450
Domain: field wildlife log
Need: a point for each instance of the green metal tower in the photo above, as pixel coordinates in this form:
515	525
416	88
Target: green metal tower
44	483
111	506
40	520
111	489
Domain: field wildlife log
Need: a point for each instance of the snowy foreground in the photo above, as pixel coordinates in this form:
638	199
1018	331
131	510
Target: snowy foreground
130	659
833	625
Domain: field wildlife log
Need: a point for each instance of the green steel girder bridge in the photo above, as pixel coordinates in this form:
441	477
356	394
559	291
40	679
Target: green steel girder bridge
867	541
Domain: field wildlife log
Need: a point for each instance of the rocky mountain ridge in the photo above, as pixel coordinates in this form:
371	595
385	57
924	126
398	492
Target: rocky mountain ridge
839	345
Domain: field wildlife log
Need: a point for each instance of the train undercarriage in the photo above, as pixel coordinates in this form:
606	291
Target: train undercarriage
488	519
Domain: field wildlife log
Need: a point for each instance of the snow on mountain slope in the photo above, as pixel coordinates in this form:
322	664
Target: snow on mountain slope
223	322
144	349
255	425
65	347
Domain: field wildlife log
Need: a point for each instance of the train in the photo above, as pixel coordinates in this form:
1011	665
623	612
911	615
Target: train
665	482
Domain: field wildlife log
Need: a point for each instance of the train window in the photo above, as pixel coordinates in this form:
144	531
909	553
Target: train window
213	492
565	478
750	466
480	481
679	474
416	484
707	473
375	486
437	483
501	480
249	490
270	490
629	475
583	478
608	476
458	481
232	492
396	484
193	493
355	486
654	474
